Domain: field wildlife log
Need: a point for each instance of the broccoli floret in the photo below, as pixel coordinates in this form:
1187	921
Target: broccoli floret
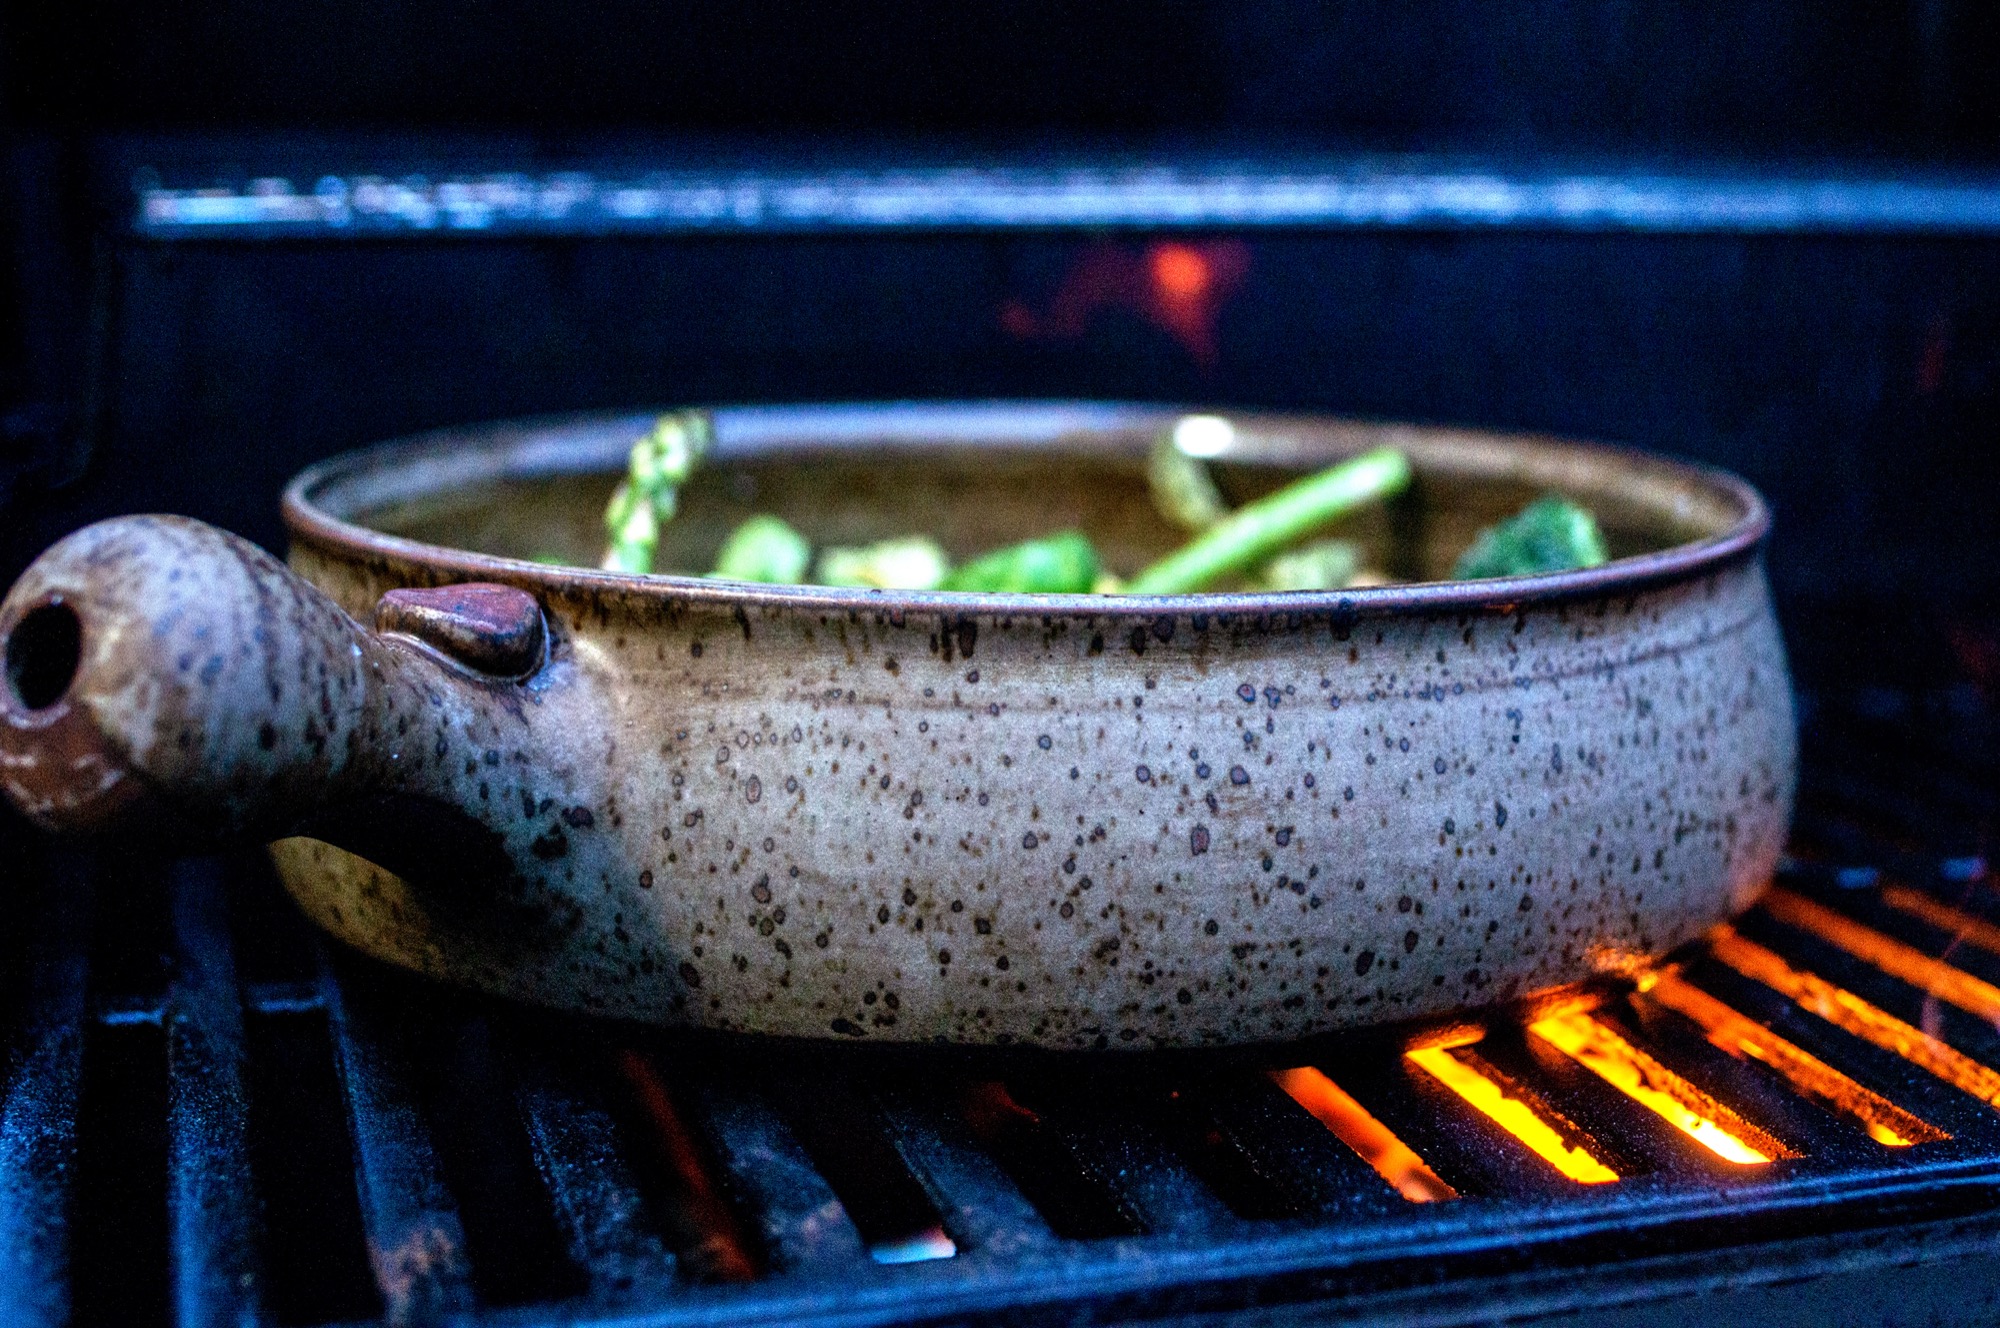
1320	565
1550	534
914	563
764	549
1062	564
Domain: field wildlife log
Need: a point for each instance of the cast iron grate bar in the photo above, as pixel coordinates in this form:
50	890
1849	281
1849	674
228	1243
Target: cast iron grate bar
1238	1172
596	1199
804	1226
1758	1091
1469	1152
38	1103
1100	1119
848	1142
981	1206
1295	1152
1630	1140
1070	1198
211	1195
416	1243
1897	1078
1936	1018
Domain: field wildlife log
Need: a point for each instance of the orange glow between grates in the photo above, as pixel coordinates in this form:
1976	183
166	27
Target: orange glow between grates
1885	1122
1906	962
1350	1123
722	1252
1843	1009
1599	1049
1962	925
1512	1115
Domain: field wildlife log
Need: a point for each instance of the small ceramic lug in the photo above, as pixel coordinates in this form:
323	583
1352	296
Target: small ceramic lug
494	629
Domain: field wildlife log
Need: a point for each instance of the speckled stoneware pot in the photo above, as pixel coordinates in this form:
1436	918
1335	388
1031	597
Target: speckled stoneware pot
1064	821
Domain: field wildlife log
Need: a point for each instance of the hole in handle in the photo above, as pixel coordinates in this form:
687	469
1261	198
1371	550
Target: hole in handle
43	652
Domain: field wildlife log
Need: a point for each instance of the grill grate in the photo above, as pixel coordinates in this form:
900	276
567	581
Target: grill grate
208	1119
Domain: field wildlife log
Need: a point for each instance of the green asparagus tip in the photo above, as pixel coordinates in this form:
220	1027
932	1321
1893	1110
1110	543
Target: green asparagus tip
764	549
1061	564
659	463
1550	534
1182	490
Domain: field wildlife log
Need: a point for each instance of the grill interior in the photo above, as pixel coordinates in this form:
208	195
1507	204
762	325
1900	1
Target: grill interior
208	1117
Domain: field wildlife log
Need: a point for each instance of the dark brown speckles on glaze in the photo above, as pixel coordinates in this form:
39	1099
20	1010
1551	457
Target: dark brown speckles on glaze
1490	800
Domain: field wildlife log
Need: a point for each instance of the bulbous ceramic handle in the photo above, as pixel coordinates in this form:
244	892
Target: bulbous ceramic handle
162	674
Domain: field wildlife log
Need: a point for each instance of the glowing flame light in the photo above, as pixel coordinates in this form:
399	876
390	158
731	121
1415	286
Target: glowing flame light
1516	1117
920	1247
1962	925
722	1253
1599	1049
1179	286
1844	1010
1181	273
1933	976
1742	1037
1350	1123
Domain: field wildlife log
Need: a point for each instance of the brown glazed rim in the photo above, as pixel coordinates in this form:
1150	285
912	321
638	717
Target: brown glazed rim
495	451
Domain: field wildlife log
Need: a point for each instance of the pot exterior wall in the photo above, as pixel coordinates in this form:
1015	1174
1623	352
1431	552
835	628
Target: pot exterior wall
1080	830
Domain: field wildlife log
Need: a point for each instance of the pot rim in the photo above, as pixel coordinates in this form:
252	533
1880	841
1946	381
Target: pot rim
1052	425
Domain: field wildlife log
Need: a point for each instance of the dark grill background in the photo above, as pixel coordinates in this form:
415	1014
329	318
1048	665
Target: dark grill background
205	1117
1854	377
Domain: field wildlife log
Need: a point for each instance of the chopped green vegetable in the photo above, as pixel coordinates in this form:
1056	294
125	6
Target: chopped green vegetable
1321	565
1182	490
914	563
1550	534
1254	534
1259	543
1063	564
764	549
648	495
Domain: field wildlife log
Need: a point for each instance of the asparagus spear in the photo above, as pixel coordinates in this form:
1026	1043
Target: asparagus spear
1184	494
1182	489
1550	534
914	563
660	463
1061	564
1255	533
764	549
